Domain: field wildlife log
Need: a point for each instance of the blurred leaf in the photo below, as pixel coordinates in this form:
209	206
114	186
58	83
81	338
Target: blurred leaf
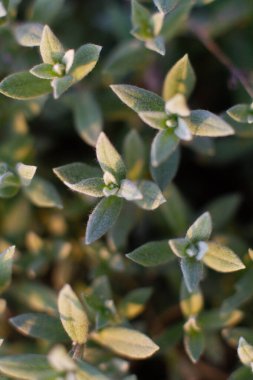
24	85
28	34
73	315
43	194
126	342
152	196
134	302
152	254
179	80
222	259
41	326
6	262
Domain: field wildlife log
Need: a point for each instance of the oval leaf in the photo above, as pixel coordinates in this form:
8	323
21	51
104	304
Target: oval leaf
152	254
222	259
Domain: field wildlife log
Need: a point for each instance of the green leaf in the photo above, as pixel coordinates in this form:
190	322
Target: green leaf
51	49
43	71
205	123
134	155
88	118
242	113
201	229
108	158
27	367
3	11
166	171
191	303
152	196
85	60
43	194
41	326
91	186
163	145
179	246
76	172
61	85
73	316
46	10
102	218
87	372
143	27
26	173
245	352
126	342
152	254
194	342
6	262
133	304
243	293
138	99
9	185
165	6
60	360
28	33
242	373
24	85
180	79
222	259
154	119
156	44
129	190
192	272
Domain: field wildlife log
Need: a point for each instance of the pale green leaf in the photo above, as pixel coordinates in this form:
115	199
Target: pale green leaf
201	229
91	186
26	173
88	118
43	194
180	79
24	85
102	218
41	326
138	99
179	246
245	352
60	360
76	172
242	113
194	342
134	155
61	85
192	272
73	316
126	342
51	49
9	185
46	10
6	262
27	367
133	304
154	119
152	254
166	171
108	158
43	71
165	6
142	22
28	34
129	190
205	123
156	44
152	195
163	145
191	303
222	259
85	60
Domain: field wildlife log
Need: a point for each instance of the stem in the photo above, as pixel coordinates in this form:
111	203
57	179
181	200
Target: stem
212	46
77	351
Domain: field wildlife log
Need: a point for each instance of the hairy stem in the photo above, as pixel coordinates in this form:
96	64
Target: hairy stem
212	46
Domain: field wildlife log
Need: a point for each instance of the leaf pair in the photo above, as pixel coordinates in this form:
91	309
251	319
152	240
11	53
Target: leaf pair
170	115
60	69
147	27
113	187
194	250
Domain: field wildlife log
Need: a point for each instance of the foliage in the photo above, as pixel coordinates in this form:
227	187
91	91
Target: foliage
154	278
